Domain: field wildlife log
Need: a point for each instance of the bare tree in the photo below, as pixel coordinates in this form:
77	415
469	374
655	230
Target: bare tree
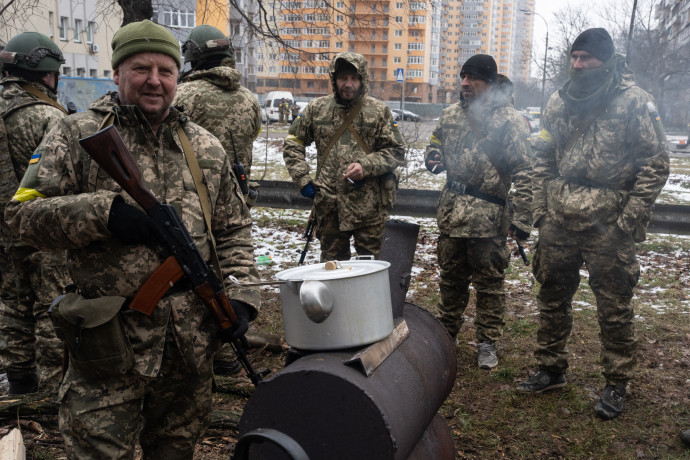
135	10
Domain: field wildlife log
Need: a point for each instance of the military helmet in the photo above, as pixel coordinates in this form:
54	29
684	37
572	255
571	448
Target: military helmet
32	51
205	41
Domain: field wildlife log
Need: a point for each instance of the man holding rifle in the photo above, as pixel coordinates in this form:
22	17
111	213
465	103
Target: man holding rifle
67	201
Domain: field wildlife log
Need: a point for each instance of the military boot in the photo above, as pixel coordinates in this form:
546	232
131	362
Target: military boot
22	383
612	400
685	436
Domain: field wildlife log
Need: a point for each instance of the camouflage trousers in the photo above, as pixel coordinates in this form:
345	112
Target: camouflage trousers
30	280
335	244
481	262
609	256
103	418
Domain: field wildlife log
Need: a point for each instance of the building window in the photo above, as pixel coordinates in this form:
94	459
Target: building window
373	48
51	18
106	74
397	46
339	45
77	30
63	28
179	18
67	71
90	31
397	33
81	72
93	73
396	60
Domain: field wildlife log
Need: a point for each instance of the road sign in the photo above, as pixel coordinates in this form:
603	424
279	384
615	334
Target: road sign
400	75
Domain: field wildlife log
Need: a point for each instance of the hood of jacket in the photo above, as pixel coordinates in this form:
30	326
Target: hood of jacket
361	66
223	77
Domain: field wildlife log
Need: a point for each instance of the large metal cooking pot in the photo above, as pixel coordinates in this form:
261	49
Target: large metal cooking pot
336	305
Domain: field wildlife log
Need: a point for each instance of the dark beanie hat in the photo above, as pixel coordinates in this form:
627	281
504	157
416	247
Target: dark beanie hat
482	66
596	42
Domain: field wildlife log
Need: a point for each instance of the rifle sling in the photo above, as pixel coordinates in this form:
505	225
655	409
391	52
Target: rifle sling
339	132
582	127
203	194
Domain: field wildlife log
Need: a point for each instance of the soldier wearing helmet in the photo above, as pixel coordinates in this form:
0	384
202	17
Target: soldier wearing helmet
211	95
30	352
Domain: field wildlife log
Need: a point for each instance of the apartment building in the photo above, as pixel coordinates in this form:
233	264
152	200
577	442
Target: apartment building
424	42
82	29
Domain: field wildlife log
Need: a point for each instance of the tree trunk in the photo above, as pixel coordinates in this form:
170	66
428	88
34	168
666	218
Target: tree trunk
135	10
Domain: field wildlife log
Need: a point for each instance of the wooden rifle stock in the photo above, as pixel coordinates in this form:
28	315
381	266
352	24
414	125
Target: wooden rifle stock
108	149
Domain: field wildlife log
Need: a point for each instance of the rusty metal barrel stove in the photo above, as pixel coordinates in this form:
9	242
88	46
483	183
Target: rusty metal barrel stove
378	401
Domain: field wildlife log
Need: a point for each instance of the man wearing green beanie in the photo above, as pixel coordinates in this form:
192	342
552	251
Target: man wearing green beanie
156	387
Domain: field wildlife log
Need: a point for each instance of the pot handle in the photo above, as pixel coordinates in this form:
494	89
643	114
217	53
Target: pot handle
288	445
317	300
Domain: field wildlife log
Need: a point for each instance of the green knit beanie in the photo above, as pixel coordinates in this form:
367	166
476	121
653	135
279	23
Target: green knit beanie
144	37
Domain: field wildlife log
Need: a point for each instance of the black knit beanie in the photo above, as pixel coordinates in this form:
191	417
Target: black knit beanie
482	66
596	42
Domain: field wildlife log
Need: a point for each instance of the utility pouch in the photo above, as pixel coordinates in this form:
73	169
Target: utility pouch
389	188
94	334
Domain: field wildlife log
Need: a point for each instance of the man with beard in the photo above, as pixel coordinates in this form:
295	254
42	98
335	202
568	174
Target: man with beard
481	143
358	148
30	352
601	161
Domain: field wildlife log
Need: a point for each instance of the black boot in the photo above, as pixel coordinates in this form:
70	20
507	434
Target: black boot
22	383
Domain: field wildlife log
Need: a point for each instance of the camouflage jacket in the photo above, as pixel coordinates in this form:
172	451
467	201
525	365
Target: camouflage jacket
490	160
26	119
614	171
215	100
64	201
358	205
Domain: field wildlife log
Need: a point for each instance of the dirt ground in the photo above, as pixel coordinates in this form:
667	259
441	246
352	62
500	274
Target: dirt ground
487	418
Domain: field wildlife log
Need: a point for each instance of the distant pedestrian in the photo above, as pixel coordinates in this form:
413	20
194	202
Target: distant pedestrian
294	111
601	161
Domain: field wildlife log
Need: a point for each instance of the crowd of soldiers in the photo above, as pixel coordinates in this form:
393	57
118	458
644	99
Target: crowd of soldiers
587	183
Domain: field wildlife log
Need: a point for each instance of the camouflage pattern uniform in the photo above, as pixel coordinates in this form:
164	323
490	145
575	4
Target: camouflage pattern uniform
343	209
29	280
64	201
591	204
215	100
472	242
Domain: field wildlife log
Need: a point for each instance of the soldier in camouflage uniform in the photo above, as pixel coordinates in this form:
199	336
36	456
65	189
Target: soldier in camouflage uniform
212	97
601	161
354	185
67	201
31	354
481	142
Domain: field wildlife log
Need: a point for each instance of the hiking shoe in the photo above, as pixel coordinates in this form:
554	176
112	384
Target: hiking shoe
542	380
486	355
611	403
685	436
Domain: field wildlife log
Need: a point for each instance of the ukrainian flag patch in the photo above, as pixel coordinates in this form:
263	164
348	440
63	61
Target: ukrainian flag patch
395	123
34	158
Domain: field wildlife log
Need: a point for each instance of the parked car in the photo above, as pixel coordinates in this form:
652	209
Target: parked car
270	111
406	115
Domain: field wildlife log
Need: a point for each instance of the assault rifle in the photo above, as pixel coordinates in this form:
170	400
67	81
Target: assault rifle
107	148
309	235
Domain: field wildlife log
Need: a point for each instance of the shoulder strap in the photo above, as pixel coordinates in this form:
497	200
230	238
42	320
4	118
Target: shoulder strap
341	129
9	182
359	139
42	96
202	192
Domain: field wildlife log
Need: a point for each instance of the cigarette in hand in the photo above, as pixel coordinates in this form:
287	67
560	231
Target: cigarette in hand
351	181
434	168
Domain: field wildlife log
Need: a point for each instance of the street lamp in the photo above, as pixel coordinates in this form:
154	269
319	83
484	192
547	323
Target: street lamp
546	53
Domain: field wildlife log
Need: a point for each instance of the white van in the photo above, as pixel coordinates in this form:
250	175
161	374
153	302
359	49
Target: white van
271	110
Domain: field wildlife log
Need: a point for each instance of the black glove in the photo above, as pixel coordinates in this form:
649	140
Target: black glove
434	164
130	224
240	328
308	191
521	235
